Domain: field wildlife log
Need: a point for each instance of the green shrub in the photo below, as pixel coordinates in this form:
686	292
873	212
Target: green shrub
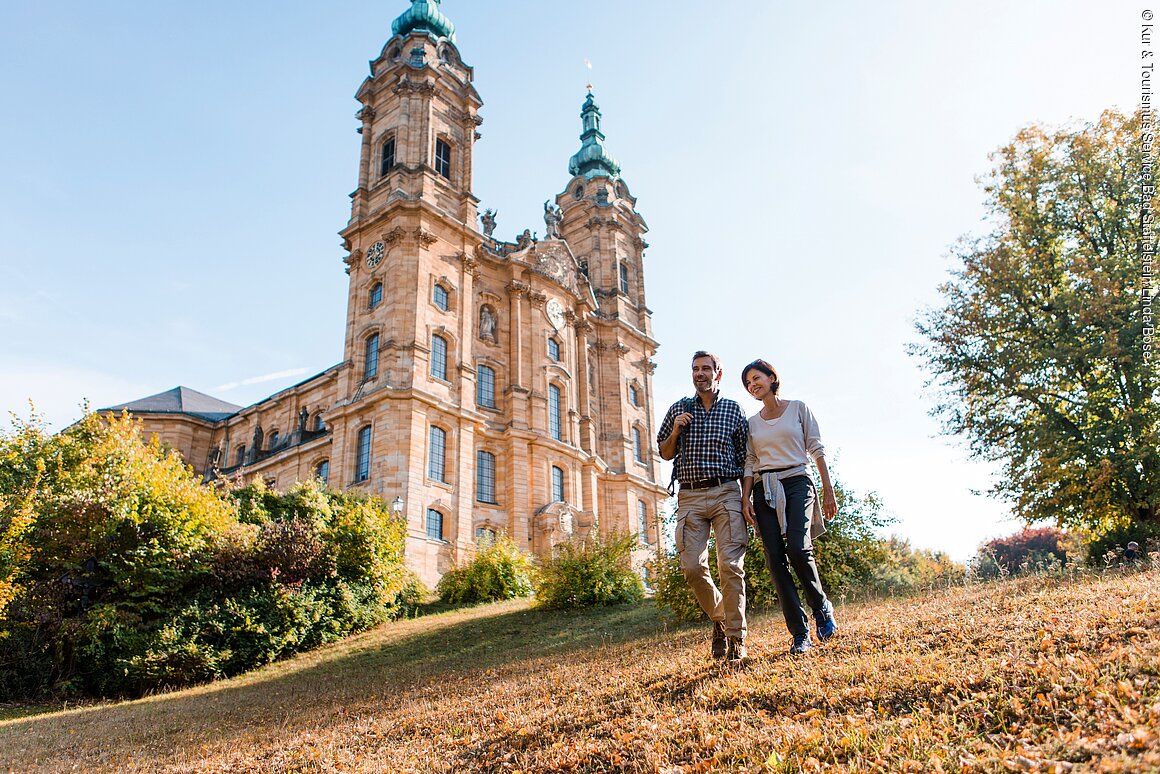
906	569
849	557
1108	549
497	571
121	574
672	593
591	572
675	598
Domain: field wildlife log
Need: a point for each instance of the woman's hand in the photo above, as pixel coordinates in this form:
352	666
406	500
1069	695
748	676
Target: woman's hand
748	512
829	503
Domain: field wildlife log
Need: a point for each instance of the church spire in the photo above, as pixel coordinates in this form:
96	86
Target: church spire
424	16
592	160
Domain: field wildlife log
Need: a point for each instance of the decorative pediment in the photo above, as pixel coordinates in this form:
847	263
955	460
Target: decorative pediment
558	521
556	263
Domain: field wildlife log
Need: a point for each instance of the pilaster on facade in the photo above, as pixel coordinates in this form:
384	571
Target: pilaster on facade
542	339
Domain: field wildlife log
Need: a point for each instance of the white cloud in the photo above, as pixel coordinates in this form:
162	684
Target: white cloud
259	379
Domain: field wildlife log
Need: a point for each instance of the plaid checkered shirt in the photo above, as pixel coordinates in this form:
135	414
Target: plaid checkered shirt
712	445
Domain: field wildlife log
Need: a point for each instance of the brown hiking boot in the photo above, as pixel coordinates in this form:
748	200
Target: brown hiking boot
736	649
719	646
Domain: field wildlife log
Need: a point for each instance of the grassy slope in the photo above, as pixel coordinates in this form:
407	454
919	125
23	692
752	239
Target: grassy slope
1033	674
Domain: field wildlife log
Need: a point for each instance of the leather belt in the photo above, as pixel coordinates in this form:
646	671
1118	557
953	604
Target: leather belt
707	483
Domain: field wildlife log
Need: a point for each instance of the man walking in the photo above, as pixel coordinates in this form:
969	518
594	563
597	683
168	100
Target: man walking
706	436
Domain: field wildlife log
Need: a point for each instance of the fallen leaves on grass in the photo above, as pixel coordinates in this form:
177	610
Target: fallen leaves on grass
1031	675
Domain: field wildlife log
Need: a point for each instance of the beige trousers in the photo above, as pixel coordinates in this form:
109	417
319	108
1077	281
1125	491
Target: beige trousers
719	509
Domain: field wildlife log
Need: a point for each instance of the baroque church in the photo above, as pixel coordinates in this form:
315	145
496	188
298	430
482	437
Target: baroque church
486	387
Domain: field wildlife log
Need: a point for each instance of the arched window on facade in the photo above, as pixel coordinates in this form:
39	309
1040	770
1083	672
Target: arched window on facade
362	466
376	295
554	412
434	524
438	357
371	361
623	277
642	521
485	537
441	297
322	472
443	153
319	422
437	453
485	386
557	485
485	477
387	155
633	395
637	445
273	442
240	455
554	350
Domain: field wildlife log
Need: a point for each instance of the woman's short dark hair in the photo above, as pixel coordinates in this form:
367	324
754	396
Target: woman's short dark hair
765	368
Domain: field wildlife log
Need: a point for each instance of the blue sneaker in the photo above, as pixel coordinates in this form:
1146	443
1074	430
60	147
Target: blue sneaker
827	626
801	643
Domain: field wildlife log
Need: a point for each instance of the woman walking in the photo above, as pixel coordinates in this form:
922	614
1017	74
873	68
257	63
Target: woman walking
783	437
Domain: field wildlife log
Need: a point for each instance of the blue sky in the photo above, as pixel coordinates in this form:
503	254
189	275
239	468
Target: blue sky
173	175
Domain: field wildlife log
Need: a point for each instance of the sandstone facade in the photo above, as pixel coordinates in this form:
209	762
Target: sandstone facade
490	386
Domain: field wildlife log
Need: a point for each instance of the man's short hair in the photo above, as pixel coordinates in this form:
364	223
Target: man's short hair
702	353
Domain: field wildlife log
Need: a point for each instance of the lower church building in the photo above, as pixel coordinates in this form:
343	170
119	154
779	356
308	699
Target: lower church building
486	387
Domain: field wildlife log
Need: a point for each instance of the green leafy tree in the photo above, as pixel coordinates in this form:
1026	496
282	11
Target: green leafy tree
850	552
1037	350
907	569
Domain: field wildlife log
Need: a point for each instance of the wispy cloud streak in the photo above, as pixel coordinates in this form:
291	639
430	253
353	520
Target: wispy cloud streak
259	379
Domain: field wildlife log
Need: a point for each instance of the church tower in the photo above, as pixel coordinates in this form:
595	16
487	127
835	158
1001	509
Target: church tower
606	233
412	223
486	386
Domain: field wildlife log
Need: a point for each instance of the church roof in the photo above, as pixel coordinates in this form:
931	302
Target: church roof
180	400
424	15
593	159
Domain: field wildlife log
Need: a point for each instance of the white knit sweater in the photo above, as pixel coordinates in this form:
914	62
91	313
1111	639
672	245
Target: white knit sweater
788	441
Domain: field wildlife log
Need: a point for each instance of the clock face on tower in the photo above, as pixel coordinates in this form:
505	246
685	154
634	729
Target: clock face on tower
555	311
374	254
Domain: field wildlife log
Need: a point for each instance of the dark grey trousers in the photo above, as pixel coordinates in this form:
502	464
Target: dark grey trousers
796	549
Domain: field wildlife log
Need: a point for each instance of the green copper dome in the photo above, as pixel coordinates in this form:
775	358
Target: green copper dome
592	160
425	16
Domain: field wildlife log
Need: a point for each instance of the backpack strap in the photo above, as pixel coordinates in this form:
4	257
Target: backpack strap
686	405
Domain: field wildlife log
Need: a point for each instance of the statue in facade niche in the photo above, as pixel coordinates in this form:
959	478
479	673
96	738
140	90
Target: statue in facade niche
487	323
303	417
488	220
552	220
257	440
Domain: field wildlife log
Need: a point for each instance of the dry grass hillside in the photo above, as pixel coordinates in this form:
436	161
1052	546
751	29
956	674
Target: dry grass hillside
1035	674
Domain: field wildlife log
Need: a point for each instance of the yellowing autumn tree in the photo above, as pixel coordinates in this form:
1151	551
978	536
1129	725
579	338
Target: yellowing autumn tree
1036	352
